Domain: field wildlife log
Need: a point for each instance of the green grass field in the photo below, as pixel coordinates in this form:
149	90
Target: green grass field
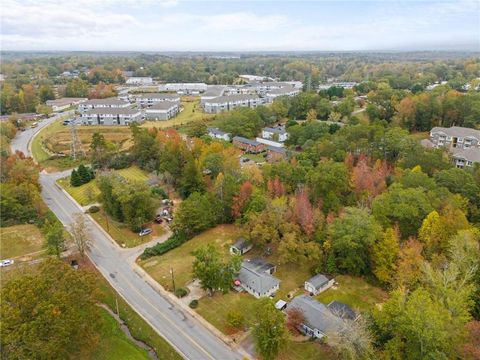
139	329
191	112
114	344
355	292
88	193
20	240
181	258
122	234
306	350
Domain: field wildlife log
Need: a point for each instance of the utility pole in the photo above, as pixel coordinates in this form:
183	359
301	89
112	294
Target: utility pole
76	147
173	279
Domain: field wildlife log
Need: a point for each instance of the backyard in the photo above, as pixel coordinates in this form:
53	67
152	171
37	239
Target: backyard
24	241
355	292
180	259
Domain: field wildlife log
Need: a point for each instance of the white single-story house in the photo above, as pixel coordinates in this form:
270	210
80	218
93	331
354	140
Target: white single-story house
218	134
240	246
163	110
319	320
318	284
255	277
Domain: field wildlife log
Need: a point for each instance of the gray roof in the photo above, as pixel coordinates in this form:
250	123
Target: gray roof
470	154
342	310
163	105
258	264
156	96
214	90
114	111
318	281
281	91
246	141
277	149
277	130
241	243
232	98
259	281
427	143
457	131
317	315
108	101
217	131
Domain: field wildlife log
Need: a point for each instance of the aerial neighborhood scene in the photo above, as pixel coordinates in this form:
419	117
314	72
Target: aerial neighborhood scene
232	180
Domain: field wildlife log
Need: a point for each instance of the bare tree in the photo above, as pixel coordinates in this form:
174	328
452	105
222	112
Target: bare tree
80	234
353	341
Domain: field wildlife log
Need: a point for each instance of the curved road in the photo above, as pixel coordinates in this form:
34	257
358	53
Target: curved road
185	333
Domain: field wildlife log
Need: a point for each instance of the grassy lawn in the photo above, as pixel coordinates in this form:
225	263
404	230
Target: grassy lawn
306	350
355	292
88	193
216	308
139	329
19	240
181	259
259	158
114	344
122	234
420	135
191	112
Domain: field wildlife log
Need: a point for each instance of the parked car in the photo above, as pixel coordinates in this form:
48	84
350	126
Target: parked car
67	122
34	125
145	232
6	262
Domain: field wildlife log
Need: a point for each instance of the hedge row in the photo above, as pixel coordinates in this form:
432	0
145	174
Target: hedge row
173	241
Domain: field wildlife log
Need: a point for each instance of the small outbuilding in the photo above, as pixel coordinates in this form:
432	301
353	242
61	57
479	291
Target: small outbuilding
281	305
241	246
318	284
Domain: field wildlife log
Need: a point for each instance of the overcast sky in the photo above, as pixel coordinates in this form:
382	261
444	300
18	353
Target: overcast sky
163	25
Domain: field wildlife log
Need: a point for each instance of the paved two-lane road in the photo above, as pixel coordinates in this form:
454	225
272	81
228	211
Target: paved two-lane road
189	337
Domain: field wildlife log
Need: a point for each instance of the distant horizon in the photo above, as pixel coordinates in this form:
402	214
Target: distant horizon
240	26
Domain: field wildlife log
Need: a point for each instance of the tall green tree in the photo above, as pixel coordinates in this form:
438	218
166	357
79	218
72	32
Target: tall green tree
269	333
49	314
54	236
352	236
213	272
384	256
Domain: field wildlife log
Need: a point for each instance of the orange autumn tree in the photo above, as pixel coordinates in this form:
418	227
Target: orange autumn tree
240	200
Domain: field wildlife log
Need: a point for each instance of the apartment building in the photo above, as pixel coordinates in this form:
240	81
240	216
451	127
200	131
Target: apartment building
225	103
290	91
144	80
109	103
463	143
150	99
111	116
163	110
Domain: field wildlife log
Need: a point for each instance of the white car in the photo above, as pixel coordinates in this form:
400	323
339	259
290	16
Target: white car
145	232
6	262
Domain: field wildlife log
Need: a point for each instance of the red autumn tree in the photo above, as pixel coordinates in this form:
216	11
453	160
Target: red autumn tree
369	179
304	212
240	200
471	349
276	187
295	318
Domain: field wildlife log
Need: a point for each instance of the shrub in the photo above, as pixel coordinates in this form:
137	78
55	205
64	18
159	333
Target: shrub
121	161
193	304
93	209
158	191
173	241
181	292
235	319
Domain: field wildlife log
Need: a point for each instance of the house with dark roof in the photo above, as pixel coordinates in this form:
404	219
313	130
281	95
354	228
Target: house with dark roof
319	321
240	246
318	284
247	145
342	310
256	279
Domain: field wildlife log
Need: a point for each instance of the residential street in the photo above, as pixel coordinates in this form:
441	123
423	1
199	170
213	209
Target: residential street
189	337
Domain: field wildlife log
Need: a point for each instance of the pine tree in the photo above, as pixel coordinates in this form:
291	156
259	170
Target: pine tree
83	174
75	179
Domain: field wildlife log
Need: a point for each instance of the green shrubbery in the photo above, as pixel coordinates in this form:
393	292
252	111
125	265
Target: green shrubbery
181	292
175	240
82	175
